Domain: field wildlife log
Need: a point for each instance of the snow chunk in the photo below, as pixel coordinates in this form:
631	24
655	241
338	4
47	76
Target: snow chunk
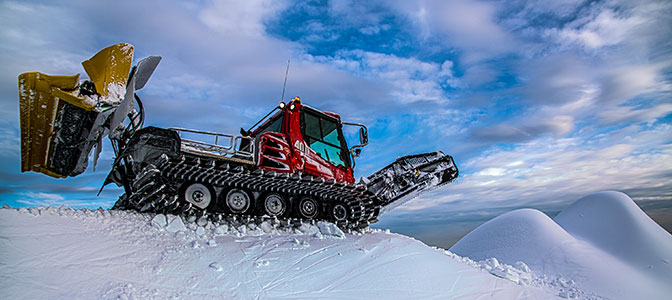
330	229
523	267
200	231
216	266
196	245
176	225
34	211
242	229
308	229
116	93
202	221
261	263
493	266
159	221
267	227
191	219
221	230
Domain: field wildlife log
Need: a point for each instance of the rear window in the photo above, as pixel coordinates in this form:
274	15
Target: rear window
274	126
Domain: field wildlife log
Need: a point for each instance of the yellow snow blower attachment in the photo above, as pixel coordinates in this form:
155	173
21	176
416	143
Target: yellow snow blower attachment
62	119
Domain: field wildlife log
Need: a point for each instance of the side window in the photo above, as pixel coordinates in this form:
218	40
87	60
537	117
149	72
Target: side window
274	126
322	136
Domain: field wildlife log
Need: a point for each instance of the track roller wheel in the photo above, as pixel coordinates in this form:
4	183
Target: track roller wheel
308	208
275	204
339	212
237	201
198	194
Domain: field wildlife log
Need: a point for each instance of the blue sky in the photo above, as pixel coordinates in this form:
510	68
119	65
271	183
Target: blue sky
540	102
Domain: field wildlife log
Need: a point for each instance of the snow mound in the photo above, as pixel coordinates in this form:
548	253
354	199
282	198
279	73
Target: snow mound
529	236
64	253
614	223
521	233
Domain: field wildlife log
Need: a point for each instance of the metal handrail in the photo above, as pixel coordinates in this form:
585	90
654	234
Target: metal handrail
223	150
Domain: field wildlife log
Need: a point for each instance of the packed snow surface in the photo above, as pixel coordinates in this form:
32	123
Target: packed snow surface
603	242
601	247
62	253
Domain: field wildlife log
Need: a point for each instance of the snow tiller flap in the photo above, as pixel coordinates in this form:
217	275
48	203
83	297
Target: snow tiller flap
62	119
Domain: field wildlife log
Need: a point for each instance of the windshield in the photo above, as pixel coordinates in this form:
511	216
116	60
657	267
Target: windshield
324	136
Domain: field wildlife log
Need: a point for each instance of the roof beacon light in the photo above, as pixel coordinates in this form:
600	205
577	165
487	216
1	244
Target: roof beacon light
281	105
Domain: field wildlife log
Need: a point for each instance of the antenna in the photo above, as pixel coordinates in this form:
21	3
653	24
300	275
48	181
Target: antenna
282	98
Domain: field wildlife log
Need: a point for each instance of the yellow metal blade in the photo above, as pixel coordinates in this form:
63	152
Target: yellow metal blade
38	108
109	70
72	98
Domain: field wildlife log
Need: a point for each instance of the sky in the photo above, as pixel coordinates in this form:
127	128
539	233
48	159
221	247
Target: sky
539	102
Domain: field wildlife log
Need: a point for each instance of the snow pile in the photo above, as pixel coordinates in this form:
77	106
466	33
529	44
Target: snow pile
613	222
63	253
602	243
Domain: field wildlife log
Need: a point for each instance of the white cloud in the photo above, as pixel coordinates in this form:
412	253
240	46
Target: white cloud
621	83
409	79
621	114
635	27
555	79
491	172
549	170
468	25
360	14
244	18
44	196
374	29
524	129
605	29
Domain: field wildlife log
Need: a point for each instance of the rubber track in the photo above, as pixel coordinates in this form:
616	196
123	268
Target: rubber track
155	190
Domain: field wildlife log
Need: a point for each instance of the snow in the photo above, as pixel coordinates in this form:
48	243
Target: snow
330	229
63	253
612	222
116	92
603	242
601	247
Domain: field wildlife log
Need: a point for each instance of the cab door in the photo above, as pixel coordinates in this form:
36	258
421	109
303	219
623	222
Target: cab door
325	154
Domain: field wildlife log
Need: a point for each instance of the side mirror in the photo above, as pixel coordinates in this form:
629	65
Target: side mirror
363	136
357	152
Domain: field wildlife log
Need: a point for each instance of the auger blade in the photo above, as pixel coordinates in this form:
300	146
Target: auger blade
109	69
39	109
61	121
